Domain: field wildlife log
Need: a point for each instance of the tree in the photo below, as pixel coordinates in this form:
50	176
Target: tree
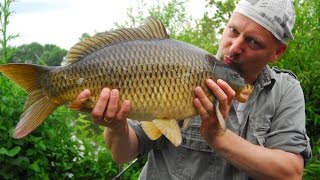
5	13
172	14
35	53
223	11
52	55
179	24
84	36
28	53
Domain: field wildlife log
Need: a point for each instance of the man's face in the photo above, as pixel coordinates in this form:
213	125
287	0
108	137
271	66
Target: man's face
248	47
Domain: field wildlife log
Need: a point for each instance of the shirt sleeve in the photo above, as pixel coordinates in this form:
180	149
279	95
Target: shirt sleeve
288	131
145	144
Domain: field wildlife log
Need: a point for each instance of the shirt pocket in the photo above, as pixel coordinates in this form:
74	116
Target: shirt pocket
258	128
191	137
193	164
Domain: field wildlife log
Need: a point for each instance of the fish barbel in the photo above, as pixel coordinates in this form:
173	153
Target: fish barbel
157	74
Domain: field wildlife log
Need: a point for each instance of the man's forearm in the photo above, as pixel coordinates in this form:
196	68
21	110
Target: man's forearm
259	162
122	144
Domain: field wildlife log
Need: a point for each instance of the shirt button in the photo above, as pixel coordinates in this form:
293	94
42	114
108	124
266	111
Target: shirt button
184	141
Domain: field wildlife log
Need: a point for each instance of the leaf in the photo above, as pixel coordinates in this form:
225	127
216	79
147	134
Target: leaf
21	161
34	166
12	152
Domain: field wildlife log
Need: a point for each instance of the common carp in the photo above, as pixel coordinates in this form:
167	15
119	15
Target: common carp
157	74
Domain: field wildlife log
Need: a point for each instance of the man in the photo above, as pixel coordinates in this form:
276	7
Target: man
266	136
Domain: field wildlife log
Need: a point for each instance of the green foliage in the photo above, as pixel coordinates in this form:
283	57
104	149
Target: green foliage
223	12
84	36
28	53
65	145
52	55
202	34
312	171
5	13
35	53
172	14
178	23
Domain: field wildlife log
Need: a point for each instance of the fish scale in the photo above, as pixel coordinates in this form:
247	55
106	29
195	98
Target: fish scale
156	74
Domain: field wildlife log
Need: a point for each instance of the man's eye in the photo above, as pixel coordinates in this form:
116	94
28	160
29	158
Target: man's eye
233	30
254	44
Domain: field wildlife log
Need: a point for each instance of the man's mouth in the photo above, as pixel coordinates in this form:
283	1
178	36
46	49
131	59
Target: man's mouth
232	61
228	60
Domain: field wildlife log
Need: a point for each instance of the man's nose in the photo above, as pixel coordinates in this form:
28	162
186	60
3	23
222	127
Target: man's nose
236	47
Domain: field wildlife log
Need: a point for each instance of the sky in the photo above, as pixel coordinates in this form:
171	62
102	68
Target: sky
62	22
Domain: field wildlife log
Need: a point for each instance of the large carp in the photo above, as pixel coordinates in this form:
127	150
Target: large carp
157	74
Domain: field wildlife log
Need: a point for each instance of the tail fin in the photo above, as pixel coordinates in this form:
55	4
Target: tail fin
37	106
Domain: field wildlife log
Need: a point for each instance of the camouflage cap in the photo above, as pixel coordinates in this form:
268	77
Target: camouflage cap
277	16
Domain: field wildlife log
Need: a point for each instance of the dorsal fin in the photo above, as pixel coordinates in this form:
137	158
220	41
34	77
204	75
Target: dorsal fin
151	29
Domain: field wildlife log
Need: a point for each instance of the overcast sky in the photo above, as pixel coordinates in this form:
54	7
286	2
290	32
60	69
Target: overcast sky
62	22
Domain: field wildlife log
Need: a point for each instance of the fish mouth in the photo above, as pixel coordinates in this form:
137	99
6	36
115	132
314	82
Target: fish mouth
245	93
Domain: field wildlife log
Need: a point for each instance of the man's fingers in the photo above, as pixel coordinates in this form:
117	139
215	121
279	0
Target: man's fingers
227	90
219	94
217	91
111	111
124	111
204	100
200	109
83	95
99	108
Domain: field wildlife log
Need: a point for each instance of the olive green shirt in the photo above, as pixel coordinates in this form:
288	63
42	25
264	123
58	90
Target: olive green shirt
274	117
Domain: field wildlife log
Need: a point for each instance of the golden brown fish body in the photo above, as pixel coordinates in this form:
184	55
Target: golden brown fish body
158	75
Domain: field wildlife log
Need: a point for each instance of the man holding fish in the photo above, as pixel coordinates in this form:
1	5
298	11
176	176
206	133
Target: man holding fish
265	136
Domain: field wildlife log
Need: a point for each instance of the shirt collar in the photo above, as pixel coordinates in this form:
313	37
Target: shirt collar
265	78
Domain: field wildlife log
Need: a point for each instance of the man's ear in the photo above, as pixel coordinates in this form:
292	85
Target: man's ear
279	52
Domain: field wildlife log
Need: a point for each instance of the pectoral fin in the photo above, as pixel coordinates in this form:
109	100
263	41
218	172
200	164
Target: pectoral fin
219	116
152	131
170	129
85	105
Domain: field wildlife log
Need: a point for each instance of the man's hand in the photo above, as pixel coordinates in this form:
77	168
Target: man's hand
210	127
105	111
237	150
119	136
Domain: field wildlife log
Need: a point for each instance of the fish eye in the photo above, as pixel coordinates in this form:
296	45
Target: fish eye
236	75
